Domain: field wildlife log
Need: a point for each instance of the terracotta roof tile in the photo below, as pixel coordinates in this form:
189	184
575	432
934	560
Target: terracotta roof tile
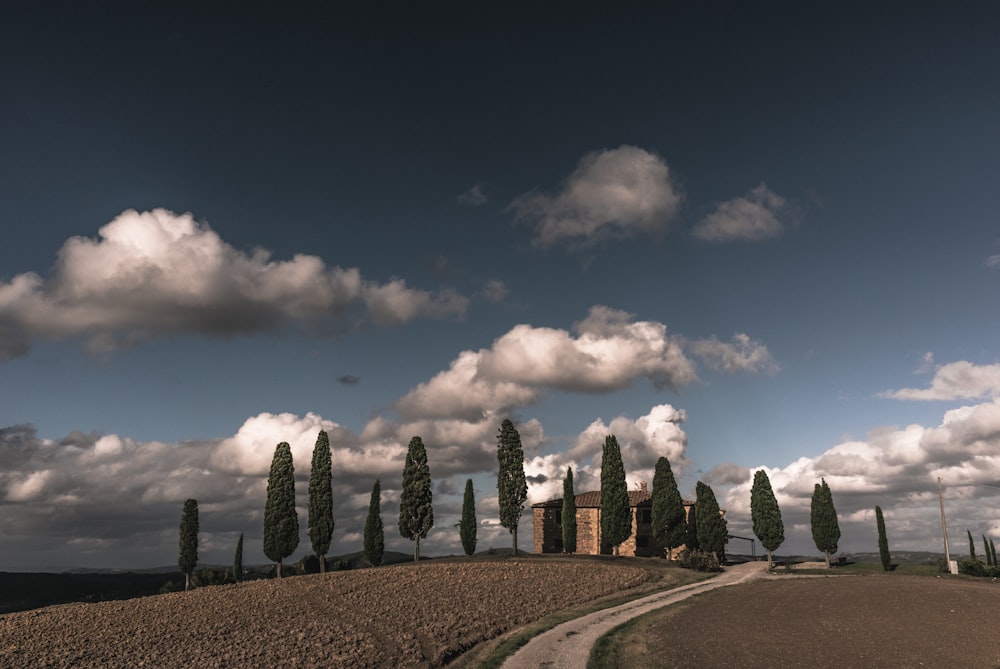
592	500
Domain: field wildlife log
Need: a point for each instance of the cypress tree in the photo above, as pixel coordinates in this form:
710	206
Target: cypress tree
187	559
281	520
238	560
972	547
767	523
467	526
712	526
374	532
321	499
616	515
416	515
569	514
823	520
883	540
691	529
512	487
993	551
667	510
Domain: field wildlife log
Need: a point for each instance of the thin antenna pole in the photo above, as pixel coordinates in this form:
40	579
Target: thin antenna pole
944	526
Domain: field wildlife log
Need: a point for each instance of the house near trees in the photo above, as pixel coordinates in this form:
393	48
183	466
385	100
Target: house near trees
547	519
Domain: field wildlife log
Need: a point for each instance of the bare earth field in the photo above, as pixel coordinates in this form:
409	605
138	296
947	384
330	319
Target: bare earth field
842	622
400	616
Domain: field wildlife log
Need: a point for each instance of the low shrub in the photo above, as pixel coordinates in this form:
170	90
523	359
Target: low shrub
970	567
699	560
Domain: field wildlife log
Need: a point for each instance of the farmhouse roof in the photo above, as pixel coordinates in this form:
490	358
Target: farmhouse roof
592	500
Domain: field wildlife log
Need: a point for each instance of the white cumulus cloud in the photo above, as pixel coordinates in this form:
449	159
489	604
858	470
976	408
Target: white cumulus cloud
742	354
608	352
958	380
613	192
156	272
750	218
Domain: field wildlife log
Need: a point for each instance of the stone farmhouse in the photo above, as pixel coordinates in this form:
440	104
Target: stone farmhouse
547	519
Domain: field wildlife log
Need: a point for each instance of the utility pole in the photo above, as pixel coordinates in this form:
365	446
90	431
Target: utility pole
944	526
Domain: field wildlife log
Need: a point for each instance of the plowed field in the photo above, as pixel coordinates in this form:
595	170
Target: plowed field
400	616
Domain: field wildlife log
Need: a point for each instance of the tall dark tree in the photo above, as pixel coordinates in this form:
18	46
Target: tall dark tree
993	552
712	526
187	559
767	523
986	549
972	546
321	499
467	526
374	531
569	514
823	520
883	540
667	510
512	487
416	515
616	514
281	520
238	560
691	529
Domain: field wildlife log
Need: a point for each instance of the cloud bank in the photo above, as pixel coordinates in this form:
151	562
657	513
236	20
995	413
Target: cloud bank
613	192
159	273
896	468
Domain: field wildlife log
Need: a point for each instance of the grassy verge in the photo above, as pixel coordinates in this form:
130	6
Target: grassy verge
492	654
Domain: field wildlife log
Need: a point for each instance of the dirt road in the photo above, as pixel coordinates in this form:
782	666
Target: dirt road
567	646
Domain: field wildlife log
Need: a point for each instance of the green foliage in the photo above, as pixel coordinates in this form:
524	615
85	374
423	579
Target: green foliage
712	526
569	514
416	515
374	533
823	520
972	546
669	523
188	555
616	515
993	552
281	520
238	560
340	565
989	555
883	540
699	560
169	586
767	524
970	567
512	487
691	529
308	564
467	526
321	499
208	576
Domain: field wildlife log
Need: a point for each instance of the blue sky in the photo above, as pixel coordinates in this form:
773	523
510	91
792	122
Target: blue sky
735	237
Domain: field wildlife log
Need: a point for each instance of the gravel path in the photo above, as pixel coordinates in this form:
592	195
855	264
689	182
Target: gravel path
567	646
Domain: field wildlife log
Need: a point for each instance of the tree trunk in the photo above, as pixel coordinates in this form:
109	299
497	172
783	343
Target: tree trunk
827	554
279	568
416	550
514	532
322	564
615	550
770	564
187	581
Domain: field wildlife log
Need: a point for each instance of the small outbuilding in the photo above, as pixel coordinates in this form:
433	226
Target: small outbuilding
547	519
